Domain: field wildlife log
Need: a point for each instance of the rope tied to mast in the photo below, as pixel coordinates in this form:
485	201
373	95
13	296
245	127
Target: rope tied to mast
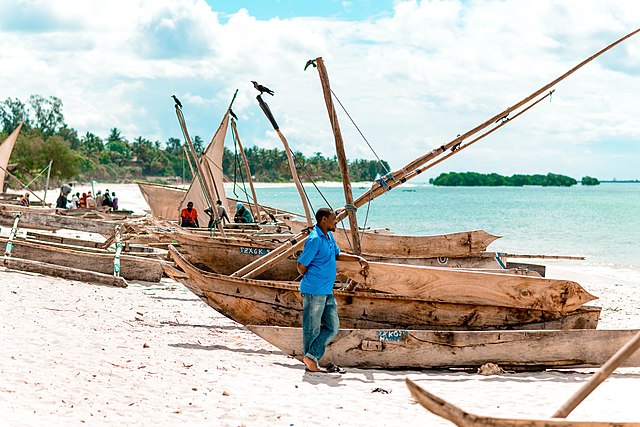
350	208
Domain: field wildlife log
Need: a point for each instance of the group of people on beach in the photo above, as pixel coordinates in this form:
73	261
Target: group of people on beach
86	200
189	215
317	266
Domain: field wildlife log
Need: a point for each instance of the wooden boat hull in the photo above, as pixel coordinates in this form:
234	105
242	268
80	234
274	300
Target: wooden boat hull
228	255
453	245
261	302
131	267
471	287
422	349
48	221
462	418
164	202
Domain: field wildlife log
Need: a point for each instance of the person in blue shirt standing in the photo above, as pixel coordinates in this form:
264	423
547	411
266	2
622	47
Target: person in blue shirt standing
317	265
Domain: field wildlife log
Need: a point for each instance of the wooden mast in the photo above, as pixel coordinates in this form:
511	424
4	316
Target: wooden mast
267	111
246	166
411	170
342	158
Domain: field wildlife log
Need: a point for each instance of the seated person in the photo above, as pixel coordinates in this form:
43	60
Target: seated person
243	214
189	216
24	200
222	214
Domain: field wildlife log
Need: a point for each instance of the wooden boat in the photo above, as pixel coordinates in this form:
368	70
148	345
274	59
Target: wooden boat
32	218
453	245
137	250
263	302
101	261
224	256
423	349
471	287
462	418
68	273
457	248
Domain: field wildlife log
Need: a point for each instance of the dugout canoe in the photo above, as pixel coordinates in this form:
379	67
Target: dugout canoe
50	221
101	261
164	202
266	302
462	418
428	349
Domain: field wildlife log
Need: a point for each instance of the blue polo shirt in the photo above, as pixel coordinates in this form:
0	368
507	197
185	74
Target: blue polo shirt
319	255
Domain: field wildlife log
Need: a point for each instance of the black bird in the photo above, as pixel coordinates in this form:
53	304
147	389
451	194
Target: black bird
261	88
178	103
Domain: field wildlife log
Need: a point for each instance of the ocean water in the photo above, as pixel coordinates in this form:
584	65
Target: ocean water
601	223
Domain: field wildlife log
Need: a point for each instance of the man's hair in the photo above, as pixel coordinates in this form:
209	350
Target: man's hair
322	213
218	202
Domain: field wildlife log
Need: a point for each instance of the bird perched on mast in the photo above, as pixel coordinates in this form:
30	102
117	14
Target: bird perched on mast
178	103
261	88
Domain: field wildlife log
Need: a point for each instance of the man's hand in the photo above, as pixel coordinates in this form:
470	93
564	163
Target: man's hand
364	265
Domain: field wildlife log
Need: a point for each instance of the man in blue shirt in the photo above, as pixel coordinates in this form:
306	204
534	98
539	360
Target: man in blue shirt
317	265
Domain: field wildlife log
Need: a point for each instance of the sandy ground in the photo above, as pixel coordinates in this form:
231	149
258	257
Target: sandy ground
73	353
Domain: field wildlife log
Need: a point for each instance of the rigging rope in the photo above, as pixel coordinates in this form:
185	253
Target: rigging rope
359	131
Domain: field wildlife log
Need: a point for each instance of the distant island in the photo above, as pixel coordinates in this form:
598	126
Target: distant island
474	179
45	136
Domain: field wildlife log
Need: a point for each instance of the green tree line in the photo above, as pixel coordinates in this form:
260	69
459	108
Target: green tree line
474	179
45	136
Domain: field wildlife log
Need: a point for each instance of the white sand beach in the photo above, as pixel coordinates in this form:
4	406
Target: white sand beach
74	353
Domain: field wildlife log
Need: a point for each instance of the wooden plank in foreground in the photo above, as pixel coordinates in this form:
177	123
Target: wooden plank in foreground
462	418
63	272
470	287
421	349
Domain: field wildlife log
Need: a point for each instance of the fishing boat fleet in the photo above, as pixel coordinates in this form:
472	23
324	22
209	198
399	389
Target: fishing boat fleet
441	301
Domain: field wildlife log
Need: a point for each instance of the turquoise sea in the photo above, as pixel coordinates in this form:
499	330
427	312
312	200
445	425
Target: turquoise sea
601	223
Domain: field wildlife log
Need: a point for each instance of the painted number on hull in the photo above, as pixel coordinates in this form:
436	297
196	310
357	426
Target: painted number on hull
393	335
254	251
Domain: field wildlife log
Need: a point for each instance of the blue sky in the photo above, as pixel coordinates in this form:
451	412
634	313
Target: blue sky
412	74
338	9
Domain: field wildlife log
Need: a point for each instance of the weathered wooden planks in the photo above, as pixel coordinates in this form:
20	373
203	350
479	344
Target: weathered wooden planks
420	349
262	302
462	418
45	221
459	286
132	268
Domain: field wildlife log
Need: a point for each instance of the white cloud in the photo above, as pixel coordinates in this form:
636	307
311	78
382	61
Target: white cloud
411	81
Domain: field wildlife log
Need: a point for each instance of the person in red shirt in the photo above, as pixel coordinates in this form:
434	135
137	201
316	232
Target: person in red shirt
189	216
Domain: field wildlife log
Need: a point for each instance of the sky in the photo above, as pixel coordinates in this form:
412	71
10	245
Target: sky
411	74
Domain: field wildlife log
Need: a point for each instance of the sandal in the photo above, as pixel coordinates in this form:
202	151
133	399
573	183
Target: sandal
335	369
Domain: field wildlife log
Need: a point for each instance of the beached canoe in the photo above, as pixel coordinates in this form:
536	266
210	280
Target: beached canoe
31	218
471	287
265	302
422	349
462	418
101	261
164	202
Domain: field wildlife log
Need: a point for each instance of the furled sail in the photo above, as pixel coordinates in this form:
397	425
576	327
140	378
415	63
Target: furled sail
211	161
5	153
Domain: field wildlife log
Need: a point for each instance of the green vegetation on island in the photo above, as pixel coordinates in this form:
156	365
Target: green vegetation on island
45	136
474	179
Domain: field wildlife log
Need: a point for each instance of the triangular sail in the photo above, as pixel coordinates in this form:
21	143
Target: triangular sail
211	161
5	152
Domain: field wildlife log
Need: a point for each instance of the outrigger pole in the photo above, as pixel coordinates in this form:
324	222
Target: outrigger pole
413	169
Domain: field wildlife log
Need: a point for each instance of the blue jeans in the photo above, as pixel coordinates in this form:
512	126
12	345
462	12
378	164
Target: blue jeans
320	324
